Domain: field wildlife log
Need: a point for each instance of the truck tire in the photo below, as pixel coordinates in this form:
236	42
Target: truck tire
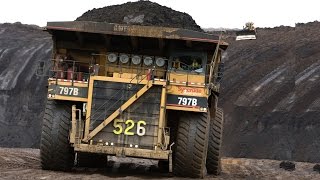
215	140
92	160
189	158
55	150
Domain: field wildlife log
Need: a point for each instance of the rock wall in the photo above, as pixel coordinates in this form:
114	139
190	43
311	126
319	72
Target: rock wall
271	95
22	93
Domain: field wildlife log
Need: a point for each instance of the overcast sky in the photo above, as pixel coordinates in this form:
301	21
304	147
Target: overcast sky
207	13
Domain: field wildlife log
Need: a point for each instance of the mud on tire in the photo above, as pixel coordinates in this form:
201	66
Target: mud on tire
190	153
55	150
215	140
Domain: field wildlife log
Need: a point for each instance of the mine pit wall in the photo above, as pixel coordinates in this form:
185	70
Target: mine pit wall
276	135
271	97
279	120
22	93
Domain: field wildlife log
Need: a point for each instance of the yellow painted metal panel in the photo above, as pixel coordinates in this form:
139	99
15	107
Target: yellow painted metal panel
183	77
183	108
162	115
76	84
68	98
131	152
187	91
89	104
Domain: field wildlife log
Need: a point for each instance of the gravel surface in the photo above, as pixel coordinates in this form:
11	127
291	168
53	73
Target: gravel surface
25	164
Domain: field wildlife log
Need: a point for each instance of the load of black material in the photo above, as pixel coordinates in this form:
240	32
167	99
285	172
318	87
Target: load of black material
141	13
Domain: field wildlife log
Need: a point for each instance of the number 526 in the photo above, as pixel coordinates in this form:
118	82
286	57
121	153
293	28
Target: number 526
117	124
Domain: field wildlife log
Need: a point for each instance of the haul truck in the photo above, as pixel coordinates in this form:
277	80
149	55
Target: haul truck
133	91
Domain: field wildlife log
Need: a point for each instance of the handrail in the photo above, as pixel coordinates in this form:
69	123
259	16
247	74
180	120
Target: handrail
137	71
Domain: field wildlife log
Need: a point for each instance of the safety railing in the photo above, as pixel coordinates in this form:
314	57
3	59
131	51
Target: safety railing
190	71
70	70
76	71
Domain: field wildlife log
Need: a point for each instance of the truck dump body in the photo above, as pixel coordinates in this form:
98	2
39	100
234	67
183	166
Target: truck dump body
133	30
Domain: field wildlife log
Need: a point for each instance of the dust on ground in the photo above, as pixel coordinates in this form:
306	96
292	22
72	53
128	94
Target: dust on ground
25	164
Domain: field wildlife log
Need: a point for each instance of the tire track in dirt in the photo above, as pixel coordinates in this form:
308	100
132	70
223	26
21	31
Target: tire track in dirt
25	164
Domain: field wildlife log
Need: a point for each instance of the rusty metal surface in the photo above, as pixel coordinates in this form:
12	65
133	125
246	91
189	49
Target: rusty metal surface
134	30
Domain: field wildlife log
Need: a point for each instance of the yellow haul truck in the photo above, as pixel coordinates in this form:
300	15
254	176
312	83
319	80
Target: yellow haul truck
133	91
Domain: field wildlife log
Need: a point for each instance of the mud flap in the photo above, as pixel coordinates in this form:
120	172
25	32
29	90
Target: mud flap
170	162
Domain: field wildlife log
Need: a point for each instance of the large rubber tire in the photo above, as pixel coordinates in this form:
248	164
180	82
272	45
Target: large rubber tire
92	160
215	140
189	158
55	150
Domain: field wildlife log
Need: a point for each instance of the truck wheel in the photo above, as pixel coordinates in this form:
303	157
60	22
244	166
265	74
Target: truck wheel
189	158
215	140
55	150
92	160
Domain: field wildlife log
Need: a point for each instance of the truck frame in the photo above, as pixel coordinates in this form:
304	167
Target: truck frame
133	91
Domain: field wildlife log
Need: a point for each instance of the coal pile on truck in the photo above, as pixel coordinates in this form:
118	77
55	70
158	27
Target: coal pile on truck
141	13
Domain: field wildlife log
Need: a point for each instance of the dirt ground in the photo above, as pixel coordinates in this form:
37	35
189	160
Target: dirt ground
25	164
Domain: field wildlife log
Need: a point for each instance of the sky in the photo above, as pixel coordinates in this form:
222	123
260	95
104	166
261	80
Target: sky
206	13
